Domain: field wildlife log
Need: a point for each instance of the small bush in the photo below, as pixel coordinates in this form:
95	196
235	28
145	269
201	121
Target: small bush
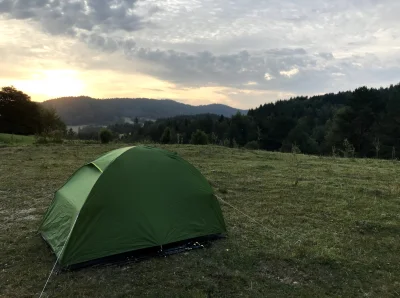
105	135
253	145
56	136
71	134
199	138
147	141
295	149
41	139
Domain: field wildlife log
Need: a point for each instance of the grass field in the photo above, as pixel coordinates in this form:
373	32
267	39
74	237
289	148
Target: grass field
9	139
330	228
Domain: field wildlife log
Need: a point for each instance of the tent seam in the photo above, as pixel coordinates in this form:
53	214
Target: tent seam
102	171
97	167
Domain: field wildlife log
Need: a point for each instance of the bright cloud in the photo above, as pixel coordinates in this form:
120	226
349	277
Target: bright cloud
289	73
268	77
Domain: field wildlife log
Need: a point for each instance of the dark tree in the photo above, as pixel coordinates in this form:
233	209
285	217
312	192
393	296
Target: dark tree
20	115
71	134
105	135
166	136
199	138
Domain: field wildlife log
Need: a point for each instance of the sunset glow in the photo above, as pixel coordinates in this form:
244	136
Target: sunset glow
53	83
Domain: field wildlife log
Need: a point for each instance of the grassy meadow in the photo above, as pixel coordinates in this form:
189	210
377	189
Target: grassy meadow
327	227
9	139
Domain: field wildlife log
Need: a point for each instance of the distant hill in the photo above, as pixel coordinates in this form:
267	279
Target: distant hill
86	110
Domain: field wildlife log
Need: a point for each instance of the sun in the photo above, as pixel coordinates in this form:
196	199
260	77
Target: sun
62	83
47	84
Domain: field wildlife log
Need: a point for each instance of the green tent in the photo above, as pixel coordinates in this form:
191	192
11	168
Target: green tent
129	199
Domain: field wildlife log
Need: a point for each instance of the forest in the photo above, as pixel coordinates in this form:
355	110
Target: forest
363	123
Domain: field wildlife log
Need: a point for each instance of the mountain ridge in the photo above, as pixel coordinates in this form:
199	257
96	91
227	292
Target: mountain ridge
82	110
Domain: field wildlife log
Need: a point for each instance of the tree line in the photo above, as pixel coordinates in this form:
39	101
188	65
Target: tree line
364	123
20	115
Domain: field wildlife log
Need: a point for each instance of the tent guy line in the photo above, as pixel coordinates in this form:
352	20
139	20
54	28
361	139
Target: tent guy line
248	216
55	263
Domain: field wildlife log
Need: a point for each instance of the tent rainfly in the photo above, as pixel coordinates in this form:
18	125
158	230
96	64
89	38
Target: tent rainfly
129	199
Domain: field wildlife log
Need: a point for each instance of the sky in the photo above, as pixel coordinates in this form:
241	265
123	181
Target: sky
237	52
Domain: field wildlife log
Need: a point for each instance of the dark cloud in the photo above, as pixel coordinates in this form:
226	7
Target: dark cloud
99	42
66	17
327	56
234	70
288	70
5	6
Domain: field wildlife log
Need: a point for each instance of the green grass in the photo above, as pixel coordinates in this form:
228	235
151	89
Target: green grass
333	233
9	139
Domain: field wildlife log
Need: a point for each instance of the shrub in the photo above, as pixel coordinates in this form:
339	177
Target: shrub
214	138
199	138
105	135
56	136
147	141
41	139
71	134
252	145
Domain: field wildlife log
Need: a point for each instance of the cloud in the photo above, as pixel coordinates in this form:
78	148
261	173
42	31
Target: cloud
292	47
338	74
71	17
233	70
268	77
289	73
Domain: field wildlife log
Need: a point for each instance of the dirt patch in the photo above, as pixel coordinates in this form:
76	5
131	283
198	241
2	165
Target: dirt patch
25	211
19	215
28	218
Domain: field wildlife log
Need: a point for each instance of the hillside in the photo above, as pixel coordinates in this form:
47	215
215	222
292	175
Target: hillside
86	110
334	233
364	122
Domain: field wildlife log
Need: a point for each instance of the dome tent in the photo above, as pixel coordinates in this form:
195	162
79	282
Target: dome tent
129	199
